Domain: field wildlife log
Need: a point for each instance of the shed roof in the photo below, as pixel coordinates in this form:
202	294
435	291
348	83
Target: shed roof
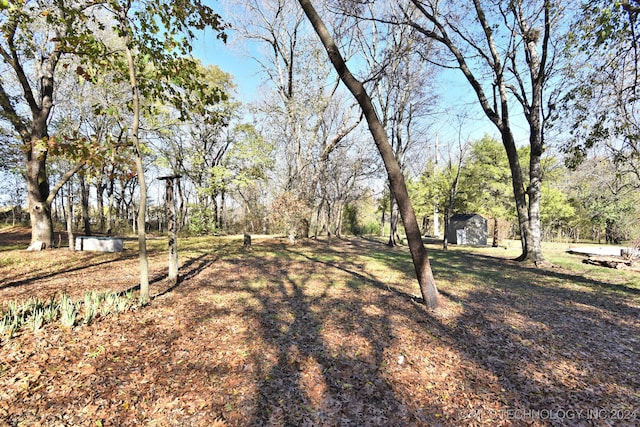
463	217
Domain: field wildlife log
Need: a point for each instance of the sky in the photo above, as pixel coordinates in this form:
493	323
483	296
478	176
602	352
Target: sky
245	71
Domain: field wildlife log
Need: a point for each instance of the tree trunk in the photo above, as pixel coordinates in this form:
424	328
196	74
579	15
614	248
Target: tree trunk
246	244
396	178
495	232
142	211
534	247
141	225
170	207
37	194
318	213
214	220
84	198
54	212
445	238
519	191
329	219
436	220
110	207
393	221
100	187
527	201
538	73
338	229
453	192
222	220
69	215
182	211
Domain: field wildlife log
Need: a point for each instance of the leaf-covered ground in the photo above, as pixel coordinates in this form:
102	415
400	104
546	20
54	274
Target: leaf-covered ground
322	334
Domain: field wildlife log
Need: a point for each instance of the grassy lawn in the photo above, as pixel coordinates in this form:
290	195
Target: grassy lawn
323	333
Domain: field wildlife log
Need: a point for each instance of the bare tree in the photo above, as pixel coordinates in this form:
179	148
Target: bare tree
306	113
512	42
342	182
399	83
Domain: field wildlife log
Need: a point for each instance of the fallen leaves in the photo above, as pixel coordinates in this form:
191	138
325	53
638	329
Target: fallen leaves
306	337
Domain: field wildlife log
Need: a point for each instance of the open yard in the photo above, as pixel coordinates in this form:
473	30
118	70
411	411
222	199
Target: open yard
321	334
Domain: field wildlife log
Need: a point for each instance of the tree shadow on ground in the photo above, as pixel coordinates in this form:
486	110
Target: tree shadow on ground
554	340
321	356
316	375
190	269
83	263
310	336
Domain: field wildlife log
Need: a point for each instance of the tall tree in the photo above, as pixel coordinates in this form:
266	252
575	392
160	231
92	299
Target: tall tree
249	162
155	38
94	110
36	35
305	113
197	147
342	182
418	252
399	83
511	41
126	32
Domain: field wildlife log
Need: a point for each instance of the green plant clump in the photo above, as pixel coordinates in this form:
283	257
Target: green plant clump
35	313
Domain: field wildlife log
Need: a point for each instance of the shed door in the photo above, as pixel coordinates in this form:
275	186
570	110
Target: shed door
461	236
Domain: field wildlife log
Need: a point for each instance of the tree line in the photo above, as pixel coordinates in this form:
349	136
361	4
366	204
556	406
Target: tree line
592	201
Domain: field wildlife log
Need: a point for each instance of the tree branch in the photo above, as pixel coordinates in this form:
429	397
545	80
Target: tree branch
342	133
12	59
464	67
63	180
9	113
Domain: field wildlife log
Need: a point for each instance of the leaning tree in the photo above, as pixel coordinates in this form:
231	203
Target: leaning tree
396	178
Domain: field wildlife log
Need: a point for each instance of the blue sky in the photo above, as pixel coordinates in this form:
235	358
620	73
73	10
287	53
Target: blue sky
245	71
